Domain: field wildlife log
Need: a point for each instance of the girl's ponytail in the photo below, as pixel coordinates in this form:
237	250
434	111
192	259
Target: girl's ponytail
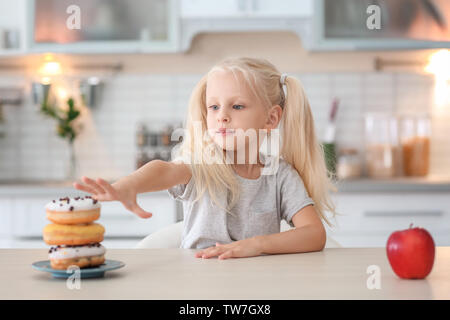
301	148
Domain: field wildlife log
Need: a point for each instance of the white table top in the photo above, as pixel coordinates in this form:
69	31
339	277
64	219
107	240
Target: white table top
335	273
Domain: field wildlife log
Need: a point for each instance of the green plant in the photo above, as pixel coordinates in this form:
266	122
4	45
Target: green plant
329	150
65	128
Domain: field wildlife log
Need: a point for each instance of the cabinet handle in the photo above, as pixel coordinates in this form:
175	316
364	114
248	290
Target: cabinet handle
404	213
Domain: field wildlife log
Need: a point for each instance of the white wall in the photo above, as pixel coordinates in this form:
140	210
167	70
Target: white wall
155	88
106	148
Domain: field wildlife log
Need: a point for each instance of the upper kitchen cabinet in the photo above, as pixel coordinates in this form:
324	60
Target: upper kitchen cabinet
381	24
102	26
199	16
12	27
245	8
285	8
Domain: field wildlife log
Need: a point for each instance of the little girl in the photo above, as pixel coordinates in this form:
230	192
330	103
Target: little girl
232	203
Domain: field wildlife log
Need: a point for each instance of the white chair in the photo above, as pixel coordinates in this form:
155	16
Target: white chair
170	237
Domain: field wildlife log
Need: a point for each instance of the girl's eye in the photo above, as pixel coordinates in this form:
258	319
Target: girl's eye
236	106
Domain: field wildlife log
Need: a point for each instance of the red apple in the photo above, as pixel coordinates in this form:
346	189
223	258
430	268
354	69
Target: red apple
411	253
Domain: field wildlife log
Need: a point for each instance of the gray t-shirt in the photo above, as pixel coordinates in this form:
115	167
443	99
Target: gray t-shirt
262	204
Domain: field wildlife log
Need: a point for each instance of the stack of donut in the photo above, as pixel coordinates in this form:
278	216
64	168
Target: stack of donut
74	236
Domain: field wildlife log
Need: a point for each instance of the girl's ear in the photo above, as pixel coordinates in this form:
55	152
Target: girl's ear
274	116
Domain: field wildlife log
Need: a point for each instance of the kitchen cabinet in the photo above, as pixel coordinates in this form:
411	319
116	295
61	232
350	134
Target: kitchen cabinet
22	217
245	8
12	27
28	216
5	216
207	8
199	16
145	26
368	219
347	25
100	26
284	8
122	223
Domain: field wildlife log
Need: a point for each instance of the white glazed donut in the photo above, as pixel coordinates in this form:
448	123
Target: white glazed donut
66	252
78	210
61	257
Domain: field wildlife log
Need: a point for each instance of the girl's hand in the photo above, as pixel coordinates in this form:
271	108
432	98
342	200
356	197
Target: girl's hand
101	190
239	249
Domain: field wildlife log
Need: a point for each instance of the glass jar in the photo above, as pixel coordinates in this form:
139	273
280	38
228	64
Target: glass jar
415	133
141	135
382	145
165	136
348	164
153	139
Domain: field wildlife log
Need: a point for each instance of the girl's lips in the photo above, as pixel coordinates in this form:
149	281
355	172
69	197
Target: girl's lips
224	131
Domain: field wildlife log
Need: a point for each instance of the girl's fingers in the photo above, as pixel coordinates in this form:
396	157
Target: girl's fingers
93	185
226	254
83	187
213	251
199	254
202	253
140	212
109	189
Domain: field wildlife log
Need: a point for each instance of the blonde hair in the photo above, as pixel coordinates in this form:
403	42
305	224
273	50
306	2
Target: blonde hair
299	147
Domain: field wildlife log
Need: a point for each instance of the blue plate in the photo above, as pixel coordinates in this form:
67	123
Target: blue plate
92	272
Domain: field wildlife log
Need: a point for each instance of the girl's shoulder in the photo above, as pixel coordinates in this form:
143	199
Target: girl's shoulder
287	176
276	165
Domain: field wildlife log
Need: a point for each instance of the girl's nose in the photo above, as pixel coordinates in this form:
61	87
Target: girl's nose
223	117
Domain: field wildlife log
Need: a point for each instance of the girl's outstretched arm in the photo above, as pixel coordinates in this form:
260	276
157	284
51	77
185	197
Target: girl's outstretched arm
153	176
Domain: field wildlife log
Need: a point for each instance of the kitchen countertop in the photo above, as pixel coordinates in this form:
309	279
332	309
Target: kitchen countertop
400	184
172	274
65	188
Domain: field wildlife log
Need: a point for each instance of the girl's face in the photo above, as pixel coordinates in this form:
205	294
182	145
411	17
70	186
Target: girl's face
233	112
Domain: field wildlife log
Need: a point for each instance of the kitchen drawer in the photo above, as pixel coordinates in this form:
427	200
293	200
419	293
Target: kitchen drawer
371	218
29	216
119	222
384	212
355	239
5	216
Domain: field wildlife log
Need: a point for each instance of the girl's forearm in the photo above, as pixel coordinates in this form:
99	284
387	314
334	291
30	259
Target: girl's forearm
303	239
155	175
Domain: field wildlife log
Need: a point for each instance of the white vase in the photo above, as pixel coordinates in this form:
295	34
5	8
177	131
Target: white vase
72	163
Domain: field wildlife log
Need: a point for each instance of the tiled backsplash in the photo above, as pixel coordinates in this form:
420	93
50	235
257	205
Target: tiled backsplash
106	148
